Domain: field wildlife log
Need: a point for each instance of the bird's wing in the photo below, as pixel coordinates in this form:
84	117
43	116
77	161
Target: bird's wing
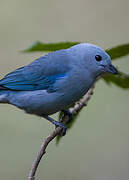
39	75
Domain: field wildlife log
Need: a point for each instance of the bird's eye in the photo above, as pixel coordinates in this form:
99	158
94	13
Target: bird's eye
98	58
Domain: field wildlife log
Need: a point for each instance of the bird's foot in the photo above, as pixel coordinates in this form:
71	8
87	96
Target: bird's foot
57	124
69	114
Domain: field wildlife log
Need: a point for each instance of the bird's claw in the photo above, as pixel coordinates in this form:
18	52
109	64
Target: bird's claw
59	124
69	114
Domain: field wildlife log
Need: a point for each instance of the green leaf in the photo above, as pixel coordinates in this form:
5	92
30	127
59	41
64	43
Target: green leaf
118	51
115	52
121	80
38	46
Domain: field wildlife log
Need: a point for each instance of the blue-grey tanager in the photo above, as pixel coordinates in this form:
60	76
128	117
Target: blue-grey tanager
55	81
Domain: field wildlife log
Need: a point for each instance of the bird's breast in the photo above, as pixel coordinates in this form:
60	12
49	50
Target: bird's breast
76	86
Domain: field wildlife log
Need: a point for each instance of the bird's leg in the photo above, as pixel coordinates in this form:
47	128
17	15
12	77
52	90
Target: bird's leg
69	114
56	123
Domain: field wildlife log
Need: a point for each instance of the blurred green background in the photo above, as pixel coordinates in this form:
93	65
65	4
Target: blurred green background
97	147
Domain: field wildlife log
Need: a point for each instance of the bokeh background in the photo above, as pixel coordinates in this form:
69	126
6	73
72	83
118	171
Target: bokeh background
97	147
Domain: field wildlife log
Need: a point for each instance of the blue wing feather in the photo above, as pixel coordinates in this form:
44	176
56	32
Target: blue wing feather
16	82
40	74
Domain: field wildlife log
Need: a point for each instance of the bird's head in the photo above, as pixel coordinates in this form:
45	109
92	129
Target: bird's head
95	59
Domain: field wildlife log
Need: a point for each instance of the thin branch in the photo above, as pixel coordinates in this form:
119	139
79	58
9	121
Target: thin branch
42	151
78	106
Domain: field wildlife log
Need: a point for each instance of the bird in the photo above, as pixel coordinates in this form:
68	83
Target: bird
55	81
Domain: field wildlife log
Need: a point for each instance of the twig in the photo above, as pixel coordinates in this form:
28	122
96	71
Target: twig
42	151
78	106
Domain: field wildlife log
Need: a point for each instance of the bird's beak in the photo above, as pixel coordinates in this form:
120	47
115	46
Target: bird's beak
111	69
